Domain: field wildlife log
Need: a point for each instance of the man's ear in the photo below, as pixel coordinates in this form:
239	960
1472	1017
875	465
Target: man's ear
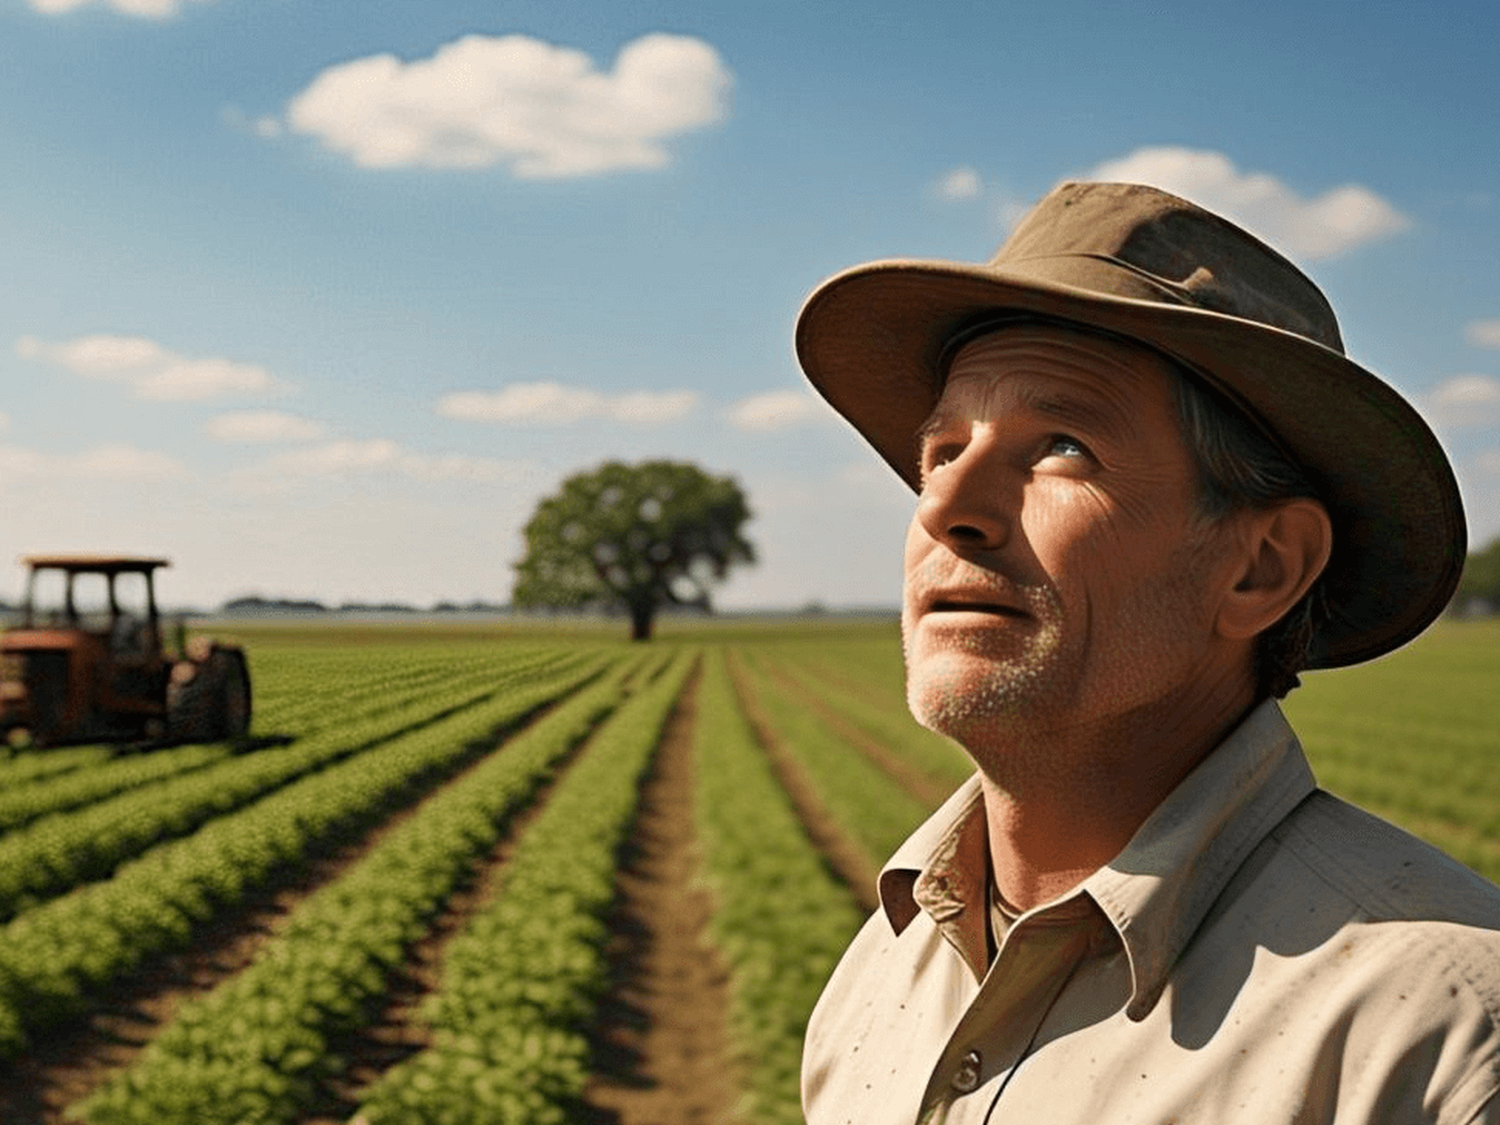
1281	550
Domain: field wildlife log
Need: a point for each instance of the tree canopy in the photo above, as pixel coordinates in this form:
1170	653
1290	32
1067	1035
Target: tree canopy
640	536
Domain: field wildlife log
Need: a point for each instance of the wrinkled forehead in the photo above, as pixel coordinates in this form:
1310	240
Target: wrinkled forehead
1055	370
1009	325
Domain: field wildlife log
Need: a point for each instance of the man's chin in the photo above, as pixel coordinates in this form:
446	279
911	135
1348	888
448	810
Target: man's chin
959	695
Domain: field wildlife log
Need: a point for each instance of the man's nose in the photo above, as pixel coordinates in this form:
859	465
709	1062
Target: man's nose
969	503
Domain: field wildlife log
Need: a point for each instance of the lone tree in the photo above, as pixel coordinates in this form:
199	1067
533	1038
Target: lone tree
642	536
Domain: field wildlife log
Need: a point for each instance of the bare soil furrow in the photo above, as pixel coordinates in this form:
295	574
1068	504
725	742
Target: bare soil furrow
75	1061
661	1044
846	859
928	790
398	1032
70	1065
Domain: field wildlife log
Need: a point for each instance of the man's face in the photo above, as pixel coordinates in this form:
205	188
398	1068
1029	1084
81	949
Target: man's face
1056	572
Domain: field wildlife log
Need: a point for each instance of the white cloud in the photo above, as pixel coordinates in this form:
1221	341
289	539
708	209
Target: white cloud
1324	227
553	404
779	410
542	110
101	356
1483	333
1467	391
649	407
340	457
262	426
150	369
105	462
117	462
1464	402
143	9
382	455
959	185
17	462
183	380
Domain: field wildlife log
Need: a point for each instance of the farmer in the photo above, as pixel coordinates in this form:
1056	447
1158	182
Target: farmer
1151	490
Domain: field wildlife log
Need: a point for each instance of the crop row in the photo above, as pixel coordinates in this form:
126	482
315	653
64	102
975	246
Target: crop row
56	956
522	981
872	697
870	807
304	691
256	1049
58	852
27	766
22	804
1414	738
781	919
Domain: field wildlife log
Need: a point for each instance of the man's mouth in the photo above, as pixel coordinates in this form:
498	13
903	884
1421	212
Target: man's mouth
963	588
950	605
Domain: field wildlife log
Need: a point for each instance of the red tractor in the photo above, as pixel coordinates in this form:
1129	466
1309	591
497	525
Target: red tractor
87	662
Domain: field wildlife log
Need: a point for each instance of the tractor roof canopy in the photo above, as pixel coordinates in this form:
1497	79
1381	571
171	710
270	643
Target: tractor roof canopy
95	564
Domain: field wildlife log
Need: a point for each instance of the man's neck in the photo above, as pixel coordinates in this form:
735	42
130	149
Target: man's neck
1079	795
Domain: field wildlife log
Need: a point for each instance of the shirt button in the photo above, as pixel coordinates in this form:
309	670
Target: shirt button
966	1077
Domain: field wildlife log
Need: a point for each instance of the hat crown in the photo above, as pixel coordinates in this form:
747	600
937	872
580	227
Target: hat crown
1169	250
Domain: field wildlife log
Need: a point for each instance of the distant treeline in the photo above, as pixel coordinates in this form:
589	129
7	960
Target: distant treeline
255	604
1479	588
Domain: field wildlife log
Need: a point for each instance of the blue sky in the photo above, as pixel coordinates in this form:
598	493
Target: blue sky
319	298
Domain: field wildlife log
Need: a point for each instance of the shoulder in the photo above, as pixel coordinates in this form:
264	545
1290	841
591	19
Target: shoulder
1378	950
1424	924
1349	904
1386	873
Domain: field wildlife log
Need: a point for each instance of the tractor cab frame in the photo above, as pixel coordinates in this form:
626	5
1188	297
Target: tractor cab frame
73	672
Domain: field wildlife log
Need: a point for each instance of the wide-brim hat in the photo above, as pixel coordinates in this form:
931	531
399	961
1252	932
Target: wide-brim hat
1137	262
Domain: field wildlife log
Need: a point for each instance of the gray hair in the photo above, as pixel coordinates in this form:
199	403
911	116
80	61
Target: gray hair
1241	467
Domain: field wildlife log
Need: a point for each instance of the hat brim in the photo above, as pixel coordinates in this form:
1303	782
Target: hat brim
870	339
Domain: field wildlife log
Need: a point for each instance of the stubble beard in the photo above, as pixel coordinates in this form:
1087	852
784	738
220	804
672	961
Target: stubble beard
1009	689
979	682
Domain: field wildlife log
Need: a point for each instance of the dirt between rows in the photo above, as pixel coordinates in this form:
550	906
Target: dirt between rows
661	1044
846	860
396	1033
929	790
75	1060
661	1041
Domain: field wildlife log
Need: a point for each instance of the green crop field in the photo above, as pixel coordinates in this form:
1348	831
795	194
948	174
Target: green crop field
1415	737
528	874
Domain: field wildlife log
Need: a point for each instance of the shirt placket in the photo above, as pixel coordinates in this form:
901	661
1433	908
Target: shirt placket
1000	1027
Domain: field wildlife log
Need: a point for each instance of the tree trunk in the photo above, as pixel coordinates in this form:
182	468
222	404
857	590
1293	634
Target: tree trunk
641	614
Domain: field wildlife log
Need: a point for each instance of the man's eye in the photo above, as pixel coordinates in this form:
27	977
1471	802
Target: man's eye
1061	445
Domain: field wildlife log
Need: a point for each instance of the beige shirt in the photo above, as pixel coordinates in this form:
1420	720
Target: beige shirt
1261	952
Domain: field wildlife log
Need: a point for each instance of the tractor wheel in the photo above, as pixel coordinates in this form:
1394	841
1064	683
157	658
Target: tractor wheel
236	695
210	700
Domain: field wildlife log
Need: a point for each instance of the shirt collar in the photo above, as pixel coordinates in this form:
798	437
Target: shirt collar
1158	889
942	853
